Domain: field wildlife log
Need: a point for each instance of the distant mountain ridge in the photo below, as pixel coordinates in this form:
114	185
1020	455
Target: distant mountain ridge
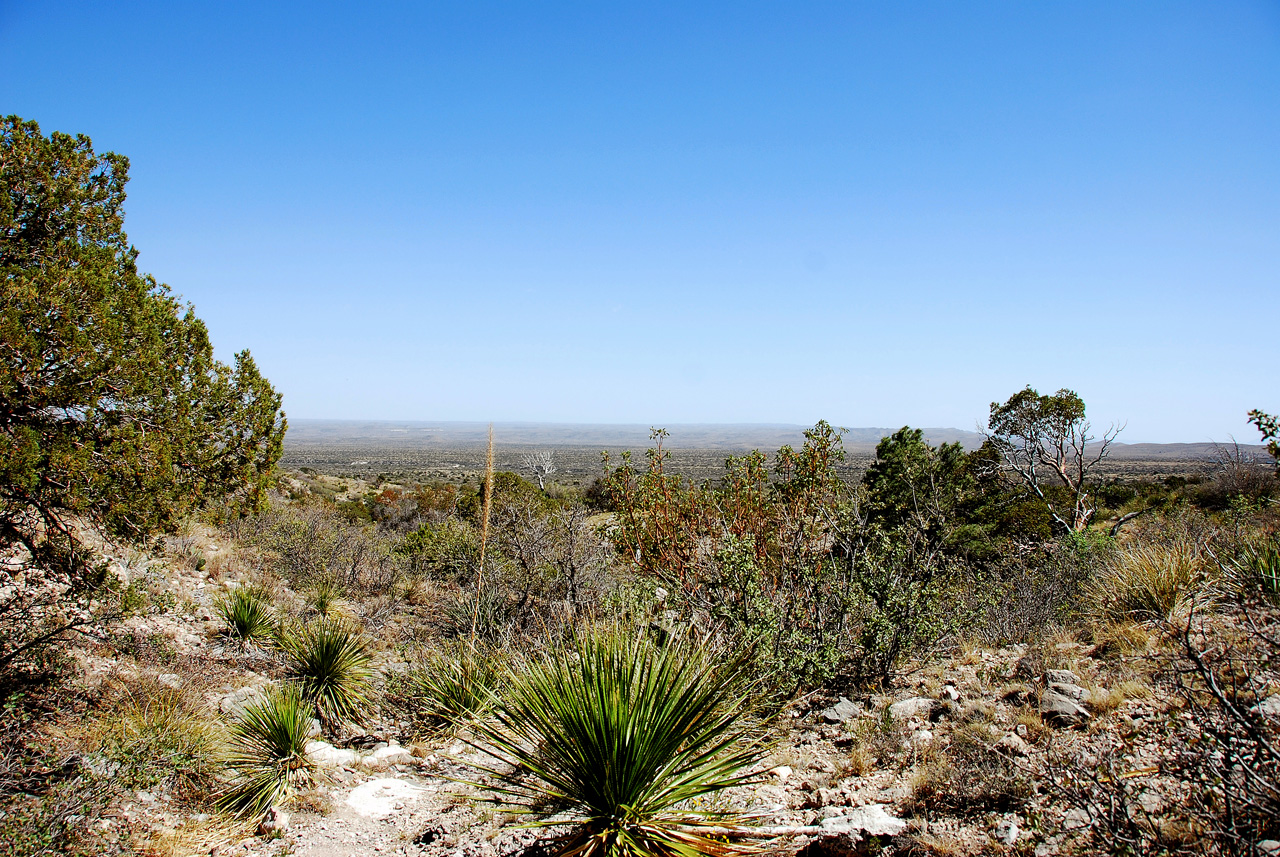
727	436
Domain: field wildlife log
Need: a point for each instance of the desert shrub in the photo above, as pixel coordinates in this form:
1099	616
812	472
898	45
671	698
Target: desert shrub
268	753
157	734
969	776
618	736
1018	600
1214	784
1153	583
328	661
444	550
448	688
312	543
247	615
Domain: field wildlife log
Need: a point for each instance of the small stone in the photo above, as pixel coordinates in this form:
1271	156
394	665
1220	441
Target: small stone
921	738
782	772
949	692
841	711
1269	846
1006	830
1013	745
1061	677
1061	710
1076	819
1269	707
1021	730
274	822
913	707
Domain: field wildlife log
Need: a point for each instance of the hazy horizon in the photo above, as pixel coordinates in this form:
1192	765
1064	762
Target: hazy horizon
876	214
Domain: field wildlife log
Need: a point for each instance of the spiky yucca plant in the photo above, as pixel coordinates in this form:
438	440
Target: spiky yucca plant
328	661
621	737
247	615
453	686
268	754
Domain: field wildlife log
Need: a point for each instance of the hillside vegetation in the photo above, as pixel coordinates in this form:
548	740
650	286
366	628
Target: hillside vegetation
997	650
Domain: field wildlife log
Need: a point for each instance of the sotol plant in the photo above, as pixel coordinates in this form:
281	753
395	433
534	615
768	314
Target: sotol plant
268	753
328	661
247	615
622	736
453	686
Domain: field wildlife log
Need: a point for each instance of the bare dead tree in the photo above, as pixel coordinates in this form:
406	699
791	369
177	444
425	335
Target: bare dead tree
541	463
1045	441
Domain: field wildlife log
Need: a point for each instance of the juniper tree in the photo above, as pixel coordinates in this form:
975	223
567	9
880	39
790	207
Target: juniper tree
114	415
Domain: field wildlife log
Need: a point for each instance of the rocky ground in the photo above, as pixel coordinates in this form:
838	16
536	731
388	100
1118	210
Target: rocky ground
975	752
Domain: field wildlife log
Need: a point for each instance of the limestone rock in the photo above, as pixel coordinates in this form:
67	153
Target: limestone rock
1061	677
840	712
326	755
1006	830
913	707
1269	707
234	703
1073	691
1013	745
870	820
274	822
390	754
1061	710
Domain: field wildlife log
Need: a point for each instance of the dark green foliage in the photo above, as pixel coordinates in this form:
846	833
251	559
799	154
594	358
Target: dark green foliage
1270	428
268	756
1045	442
112	408
619	736
329	661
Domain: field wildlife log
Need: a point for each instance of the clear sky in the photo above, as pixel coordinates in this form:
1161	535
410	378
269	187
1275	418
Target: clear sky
873	213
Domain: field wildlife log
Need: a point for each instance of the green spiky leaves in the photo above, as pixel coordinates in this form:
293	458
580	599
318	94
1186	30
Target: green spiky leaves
623	737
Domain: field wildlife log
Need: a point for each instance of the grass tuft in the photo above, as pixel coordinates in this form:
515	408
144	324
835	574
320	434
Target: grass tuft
1153	583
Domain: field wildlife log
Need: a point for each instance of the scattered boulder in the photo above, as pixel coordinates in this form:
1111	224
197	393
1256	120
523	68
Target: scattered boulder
1269	707
870	820
782	772
913	707
1072	691
274	822
1061	677
390	754
1061	710
1013	745
326	755
1006	830
950	693
840	712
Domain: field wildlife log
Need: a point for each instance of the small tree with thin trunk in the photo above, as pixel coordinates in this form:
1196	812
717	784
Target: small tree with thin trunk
1045	441
541	463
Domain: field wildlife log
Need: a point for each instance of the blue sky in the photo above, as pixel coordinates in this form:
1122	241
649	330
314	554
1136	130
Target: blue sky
873	213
